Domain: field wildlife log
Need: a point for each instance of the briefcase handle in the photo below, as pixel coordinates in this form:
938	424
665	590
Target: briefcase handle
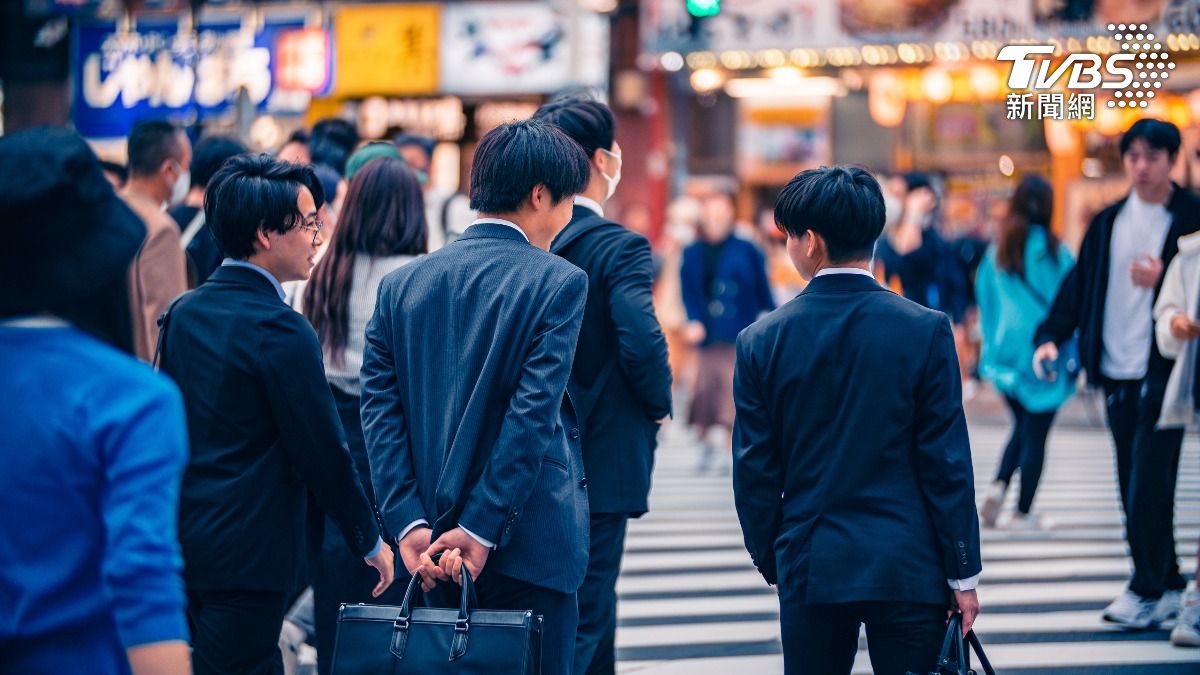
462	626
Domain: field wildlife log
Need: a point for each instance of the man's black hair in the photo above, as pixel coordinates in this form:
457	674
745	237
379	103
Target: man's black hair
1159	135
589	122
255	192
843	204
150	144
425	143
514	158
299	136
209	154
332	142
116	169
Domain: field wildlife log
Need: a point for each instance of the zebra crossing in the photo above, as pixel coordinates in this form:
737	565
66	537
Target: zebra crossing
691	603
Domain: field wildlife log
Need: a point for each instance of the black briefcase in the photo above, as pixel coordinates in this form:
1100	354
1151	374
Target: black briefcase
955	658
378	639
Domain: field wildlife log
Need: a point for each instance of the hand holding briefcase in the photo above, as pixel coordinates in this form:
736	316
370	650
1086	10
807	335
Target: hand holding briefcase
377	639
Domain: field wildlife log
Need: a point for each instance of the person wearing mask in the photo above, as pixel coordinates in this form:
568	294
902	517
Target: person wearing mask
1109	299
916	261
159	157
1014	286
725	288
94	442
202	253
474	447
620	381
382	227
263	427
448	213
852	471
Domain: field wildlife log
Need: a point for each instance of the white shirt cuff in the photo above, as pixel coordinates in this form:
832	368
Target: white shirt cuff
375	551
412	526
964	584
476	537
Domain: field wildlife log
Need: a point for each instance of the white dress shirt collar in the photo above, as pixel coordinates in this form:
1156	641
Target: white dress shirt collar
501	221
843	270
590	204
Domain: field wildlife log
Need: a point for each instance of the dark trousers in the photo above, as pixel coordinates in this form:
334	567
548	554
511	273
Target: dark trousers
1147	470
1026	450
337	574
559	611
595	642
823	639
236	631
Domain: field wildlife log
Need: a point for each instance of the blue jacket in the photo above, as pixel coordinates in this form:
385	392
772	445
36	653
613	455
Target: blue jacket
92	453
1010	309
463	380
738	293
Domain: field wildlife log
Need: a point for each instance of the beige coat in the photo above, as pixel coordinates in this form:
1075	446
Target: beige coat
158	273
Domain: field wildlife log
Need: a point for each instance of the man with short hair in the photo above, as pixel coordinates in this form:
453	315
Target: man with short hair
620	380
1109	299
262	425
852	468
159	157
474	449
203	255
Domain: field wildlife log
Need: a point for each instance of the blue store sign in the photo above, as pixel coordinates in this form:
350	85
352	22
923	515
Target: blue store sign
159	72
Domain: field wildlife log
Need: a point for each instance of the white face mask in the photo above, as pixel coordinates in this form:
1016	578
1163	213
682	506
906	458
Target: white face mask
180	187
893	206
614	179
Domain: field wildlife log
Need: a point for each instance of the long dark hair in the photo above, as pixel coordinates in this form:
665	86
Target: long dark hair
384	215
1032	203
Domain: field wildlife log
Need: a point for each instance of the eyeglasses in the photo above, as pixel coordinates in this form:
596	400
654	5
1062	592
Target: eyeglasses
316	225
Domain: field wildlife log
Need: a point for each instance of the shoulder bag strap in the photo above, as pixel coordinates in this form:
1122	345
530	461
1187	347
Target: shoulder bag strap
163	320
189	233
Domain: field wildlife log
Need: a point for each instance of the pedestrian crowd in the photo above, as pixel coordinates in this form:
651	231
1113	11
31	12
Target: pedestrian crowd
245	389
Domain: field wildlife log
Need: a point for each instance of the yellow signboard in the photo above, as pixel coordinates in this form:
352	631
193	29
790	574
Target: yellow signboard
386	49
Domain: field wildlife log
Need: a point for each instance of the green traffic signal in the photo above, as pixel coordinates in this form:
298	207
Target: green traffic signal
703	8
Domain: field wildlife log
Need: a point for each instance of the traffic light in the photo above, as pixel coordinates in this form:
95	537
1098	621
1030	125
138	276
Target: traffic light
703	8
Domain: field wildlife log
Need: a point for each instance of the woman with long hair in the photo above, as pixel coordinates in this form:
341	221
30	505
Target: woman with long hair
1015	285
381	227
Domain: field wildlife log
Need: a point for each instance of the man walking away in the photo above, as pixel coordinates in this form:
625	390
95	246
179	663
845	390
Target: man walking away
620	381
852	468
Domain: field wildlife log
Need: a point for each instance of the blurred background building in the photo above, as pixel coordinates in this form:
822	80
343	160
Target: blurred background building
711	94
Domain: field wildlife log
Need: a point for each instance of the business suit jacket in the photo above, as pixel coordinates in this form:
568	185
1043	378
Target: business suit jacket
263	431
852	469
1082	296
157	275
620	380
463	380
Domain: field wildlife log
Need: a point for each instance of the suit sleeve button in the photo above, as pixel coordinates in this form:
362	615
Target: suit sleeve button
574	434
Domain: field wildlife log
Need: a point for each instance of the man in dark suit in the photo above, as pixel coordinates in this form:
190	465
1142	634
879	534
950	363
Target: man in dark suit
852	469
262	424
473	446
620	381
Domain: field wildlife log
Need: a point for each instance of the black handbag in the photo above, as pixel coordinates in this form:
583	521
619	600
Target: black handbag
374	639
955	658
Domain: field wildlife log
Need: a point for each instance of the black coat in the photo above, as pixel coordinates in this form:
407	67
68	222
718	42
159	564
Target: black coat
620	381
852	468
263	431
1079	304
463	406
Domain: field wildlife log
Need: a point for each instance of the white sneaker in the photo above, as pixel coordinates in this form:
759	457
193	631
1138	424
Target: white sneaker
1028	522
1168	606
1187	626
991	506
1131	610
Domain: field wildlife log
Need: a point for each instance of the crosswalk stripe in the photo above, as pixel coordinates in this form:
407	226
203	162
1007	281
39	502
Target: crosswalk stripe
690	601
